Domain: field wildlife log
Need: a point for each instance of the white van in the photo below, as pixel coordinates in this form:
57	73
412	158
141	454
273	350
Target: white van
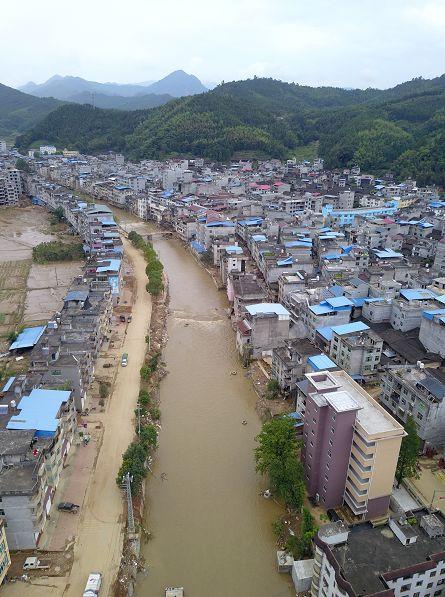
92	587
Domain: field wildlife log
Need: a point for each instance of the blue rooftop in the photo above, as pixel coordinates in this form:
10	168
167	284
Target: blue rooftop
417	294
286	261
251	222
259	238
387	254
321	362
197	246
114	266
28	338
265	308
220	224
339	301
325	332
349	328
320	309
8	384
39	411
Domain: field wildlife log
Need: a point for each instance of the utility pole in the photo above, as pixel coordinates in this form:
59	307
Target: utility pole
139	418
126	481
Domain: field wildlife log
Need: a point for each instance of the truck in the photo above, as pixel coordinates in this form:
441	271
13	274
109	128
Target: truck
34	563
92	587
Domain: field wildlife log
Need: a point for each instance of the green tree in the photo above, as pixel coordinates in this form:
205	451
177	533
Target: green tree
409	452
277	455
273	389
58	214
22	165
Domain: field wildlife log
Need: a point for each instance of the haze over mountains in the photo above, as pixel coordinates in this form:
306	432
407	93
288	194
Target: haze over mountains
74	89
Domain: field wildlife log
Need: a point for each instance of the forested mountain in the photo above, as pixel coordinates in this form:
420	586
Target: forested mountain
400	129
118	102
19	111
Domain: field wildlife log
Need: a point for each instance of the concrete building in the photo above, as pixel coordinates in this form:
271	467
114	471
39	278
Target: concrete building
356	348
265	327
332	311
432	331
407	310
244	290
34	444
372	561
416	391
5	558
350	446
289	363
47	150
11	186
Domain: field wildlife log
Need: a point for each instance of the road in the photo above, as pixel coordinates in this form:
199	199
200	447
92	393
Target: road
99	539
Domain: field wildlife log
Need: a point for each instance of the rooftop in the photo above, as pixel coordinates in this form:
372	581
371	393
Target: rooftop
39	411
371	552
28	337
267	308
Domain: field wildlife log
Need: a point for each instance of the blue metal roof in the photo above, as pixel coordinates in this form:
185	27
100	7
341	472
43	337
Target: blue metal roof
432	312
332	256
28	338
339	301
276	308
286	261
258	238
197	246
220	224
387	254
417	294
251	222
348	328
321	362
325	332
358	302
8	384
320	309
297	243
39	411
115	265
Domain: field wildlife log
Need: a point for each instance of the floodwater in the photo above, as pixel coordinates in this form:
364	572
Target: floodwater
211	529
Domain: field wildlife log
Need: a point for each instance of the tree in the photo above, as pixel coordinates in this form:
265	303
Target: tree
277	455
273	389
58	214
22	165
409	452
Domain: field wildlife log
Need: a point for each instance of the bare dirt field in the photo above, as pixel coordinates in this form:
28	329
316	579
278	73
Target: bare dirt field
29	293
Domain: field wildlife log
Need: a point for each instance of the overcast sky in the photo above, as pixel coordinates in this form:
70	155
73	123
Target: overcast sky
348	43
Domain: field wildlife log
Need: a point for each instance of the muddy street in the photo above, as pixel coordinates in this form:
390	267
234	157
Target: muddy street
211	530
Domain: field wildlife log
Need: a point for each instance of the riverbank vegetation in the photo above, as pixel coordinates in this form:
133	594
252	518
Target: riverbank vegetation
57	251
154	269
277	456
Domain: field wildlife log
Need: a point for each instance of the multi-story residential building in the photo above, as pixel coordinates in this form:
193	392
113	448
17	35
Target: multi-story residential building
350	445
265	327
417	391
243	290
35	443
289	363
5	558
439	258
47	150
10	186
356	348
407	310
400	559
332	311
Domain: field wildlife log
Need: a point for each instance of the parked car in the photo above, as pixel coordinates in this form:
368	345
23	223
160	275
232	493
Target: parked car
68	507
124	360
92	587
129	318
122	318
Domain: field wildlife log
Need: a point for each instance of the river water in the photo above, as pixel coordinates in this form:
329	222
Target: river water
211	530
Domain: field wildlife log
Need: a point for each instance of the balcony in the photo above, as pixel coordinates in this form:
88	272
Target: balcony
356	507
364	459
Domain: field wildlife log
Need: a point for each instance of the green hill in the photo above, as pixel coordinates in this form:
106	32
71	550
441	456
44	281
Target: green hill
20	111
399	129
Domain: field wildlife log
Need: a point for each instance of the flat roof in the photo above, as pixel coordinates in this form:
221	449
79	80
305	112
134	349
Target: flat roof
371	552
372	417
276	308
321	362
348	328
39	411
28	337
417	294
341	401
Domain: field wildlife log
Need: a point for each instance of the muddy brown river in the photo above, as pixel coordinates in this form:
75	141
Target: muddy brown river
211	530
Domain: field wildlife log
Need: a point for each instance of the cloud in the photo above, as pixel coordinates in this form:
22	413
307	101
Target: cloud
345	43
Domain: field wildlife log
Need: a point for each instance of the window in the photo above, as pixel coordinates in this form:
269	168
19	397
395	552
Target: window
332	430
329	454
331	442
429	585
2	512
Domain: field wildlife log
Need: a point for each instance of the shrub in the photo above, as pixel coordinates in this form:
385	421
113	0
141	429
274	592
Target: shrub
155	413
145	372
57	251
